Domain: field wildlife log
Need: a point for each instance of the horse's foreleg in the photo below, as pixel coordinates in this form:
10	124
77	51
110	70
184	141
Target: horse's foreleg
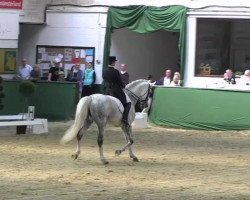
100	144
132	155
128	135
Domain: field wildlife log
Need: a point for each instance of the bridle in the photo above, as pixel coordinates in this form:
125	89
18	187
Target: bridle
139	100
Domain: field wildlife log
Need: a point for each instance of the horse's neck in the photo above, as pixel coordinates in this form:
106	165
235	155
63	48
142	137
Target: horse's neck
132	98
135	90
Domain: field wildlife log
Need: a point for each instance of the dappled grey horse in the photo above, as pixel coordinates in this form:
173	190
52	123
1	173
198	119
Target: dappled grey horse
103	110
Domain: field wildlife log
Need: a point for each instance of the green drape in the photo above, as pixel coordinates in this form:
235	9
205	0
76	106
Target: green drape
143	19
195	108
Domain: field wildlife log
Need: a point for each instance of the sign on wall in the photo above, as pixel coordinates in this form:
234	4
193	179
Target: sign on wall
11	4
70	55
8	60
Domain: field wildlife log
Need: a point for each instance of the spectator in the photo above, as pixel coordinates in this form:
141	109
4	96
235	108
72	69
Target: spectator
35	74
229	77
175	81
75	74
23	71
166	80
124	74
245	79
55	68
177	75
88	80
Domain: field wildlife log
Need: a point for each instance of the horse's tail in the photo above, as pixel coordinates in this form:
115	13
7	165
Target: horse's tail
82	112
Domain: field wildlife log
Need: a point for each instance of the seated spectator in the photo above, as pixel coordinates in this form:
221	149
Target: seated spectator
35	74
180	83
175	81
24	71
177	74
166	80
245	79
229	77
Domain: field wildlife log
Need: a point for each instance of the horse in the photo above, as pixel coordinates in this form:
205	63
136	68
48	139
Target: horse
105	109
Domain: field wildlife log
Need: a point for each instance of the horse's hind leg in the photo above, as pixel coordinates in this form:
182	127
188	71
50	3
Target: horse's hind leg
100	143
79	137
128	135
78	145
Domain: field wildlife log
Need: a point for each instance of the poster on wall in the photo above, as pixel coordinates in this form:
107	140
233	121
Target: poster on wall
70	56
8	61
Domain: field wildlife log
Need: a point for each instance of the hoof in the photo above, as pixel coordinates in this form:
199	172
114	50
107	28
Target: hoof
118	152
74	156
105	162
135	160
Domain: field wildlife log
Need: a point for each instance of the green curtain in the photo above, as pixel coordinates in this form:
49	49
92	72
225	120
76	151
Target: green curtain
143	19
204	109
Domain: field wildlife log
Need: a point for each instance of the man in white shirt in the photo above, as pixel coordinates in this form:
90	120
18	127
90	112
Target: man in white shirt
166	80
24	70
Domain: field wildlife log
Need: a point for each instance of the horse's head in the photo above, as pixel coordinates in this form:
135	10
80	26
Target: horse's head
138	92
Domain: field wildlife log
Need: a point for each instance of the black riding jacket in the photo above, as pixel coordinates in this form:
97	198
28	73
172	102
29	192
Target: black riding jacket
114	83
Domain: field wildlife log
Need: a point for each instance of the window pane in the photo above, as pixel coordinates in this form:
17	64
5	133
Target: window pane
222	44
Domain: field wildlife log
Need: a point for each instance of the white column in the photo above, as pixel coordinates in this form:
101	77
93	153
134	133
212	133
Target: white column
190	51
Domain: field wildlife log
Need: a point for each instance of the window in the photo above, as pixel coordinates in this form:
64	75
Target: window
222	44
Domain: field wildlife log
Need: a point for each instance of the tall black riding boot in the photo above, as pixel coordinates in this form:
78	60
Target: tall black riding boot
125	114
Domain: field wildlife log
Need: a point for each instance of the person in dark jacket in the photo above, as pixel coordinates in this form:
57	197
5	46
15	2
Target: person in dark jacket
124	74
115	86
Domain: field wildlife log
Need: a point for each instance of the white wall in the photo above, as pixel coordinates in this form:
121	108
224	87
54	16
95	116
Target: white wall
9	31
144	53
149	53
65	29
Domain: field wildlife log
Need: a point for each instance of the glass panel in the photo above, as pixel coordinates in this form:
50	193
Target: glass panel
222	44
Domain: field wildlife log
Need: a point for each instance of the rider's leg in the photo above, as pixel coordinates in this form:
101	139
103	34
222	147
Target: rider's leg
126	113
122	97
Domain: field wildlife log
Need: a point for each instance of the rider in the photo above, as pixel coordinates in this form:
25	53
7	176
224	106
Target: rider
115	85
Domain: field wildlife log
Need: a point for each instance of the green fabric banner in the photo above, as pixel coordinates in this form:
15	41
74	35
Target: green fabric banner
52	100
143	19
201	108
